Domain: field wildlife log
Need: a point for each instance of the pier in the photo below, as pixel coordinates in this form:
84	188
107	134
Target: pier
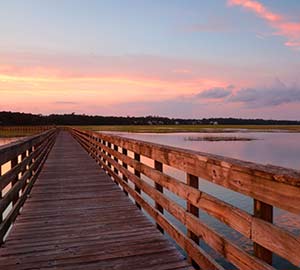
73	199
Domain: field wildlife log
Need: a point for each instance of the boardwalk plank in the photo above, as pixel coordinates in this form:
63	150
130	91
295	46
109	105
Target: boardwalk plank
77	218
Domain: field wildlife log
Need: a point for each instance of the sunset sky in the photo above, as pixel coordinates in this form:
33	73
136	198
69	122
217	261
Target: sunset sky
176	58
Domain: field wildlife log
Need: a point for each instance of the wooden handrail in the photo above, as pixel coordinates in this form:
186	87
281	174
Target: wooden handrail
25	159
268	186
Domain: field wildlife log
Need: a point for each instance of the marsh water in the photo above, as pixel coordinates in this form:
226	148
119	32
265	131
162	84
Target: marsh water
276	148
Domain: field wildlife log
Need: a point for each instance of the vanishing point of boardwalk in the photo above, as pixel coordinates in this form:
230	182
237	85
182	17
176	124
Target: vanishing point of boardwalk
77	218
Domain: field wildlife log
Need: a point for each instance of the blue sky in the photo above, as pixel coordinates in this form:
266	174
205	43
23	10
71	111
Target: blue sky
157	51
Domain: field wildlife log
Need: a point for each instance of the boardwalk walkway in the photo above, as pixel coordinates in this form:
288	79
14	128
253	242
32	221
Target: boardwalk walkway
77	218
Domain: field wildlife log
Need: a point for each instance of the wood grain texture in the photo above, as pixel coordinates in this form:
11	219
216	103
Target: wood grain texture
274	186
77	218
22	174
221	244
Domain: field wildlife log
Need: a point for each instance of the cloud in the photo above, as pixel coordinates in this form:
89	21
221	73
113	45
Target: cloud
278	94
284	27
215	93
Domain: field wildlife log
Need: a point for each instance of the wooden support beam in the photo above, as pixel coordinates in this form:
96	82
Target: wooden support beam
116	148
14	162
23	156
137	157
1	214
192	181
265	212
109	146
125	153
159	167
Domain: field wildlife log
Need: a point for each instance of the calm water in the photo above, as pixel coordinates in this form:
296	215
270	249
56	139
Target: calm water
281	149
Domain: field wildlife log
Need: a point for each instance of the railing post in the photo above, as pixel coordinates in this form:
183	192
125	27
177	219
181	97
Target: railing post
1	214
30	150
108	154
265	212
124	152
23	156
159	167
14	162
116	148
137	157
192	181
97	149
103	151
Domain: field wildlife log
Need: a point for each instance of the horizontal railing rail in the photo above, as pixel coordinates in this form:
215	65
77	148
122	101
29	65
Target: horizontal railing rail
268	186
20	163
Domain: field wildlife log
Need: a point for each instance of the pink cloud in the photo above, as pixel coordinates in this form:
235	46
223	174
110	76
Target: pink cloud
283	27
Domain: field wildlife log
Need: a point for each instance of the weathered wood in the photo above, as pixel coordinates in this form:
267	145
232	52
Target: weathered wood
23	157
159	167
115	158
277	240
230	251
275	186
7	222
77	218
200	256
192	181
1	213
6	178
10	151
22	174
108	153
137	157
265	212
124	153
14	162
230	215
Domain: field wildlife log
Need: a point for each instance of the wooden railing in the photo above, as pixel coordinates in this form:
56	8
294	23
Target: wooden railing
22	161
268	186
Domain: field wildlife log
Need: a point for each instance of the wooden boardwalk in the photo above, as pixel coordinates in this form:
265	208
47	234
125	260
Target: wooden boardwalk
77	218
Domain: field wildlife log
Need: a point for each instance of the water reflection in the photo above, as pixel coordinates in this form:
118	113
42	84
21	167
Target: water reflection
282	149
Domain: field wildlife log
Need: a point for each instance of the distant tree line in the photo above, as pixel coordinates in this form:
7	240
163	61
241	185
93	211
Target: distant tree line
17	118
